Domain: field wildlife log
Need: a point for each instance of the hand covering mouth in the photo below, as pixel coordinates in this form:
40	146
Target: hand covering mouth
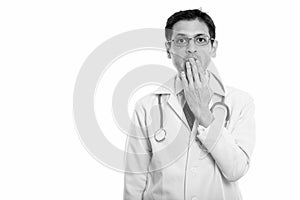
188	57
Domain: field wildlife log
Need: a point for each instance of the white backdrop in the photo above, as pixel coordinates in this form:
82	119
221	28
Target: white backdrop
43	45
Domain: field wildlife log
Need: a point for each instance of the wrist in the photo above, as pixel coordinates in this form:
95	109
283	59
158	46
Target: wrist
206	118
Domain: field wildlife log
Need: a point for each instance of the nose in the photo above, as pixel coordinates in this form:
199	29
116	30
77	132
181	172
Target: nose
191	48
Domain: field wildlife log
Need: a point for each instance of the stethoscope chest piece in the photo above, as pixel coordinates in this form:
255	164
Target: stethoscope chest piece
160	135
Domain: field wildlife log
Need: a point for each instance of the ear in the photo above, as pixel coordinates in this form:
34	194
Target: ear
168	46
214	49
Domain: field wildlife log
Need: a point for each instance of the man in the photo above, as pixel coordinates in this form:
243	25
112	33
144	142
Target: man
204	143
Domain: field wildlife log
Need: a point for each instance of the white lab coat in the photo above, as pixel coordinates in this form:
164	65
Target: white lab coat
178	168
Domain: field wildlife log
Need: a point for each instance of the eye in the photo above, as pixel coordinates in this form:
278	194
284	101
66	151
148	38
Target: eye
181	40
202	40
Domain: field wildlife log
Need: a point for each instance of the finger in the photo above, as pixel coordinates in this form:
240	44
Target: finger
189	75
201	73
200	68
184	80
192	61
196	76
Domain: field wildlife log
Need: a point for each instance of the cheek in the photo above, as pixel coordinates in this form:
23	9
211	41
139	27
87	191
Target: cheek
205	58
178	63
178	59
206	61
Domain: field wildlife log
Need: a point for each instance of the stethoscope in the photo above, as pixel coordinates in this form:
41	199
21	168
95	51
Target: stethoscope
160	134
223	104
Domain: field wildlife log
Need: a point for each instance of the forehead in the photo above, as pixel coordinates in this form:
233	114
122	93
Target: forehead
191	27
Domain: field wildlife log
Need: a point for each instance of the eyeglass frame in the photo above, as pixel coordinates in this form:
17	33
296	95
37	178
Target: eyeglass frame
190	38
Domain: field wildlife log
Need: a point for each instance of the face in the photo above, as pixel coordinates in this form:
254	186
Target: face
180	55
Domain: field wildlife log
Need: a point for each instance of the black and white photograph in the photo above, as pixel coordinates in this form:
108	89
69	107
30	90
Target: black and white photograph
149	100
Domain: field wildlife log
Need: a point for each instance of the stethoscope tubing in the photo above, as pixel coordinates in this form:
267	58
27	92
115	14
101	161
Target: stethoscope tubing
161	128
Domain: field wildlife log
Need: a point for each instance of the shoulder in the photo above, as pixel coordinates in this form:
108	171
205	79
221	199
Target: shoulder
240	103
241	106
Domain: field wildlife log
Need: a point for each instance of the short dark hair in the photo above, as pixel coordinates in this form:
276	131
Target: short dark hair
190	15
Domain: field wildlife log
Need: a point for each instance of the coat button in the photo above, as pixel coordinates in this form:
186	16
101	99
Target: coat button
194	169
195	198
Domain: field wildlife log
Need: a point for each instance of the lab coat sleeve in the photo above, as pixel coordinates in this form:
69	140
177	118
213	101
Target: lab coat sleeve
231	150
137	157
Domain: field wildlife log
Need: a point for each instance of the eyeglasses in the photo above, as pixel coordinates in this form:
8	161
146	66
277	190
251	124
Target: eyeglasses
183	40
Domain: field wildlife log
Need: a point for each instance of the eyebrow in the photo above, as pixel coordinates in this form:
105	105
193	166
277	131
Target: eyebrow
182	34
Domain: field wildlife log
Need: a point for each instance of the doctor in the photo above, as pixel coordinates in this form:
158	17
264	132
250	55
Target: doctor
193	140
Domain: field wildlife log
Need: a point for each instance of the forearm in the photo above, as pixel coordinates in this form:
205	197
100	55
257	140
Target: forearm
230	158
231	150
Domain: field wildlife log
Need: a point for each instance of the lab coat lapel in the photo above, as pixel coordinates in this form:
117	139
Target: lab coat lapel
169	89
176	107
